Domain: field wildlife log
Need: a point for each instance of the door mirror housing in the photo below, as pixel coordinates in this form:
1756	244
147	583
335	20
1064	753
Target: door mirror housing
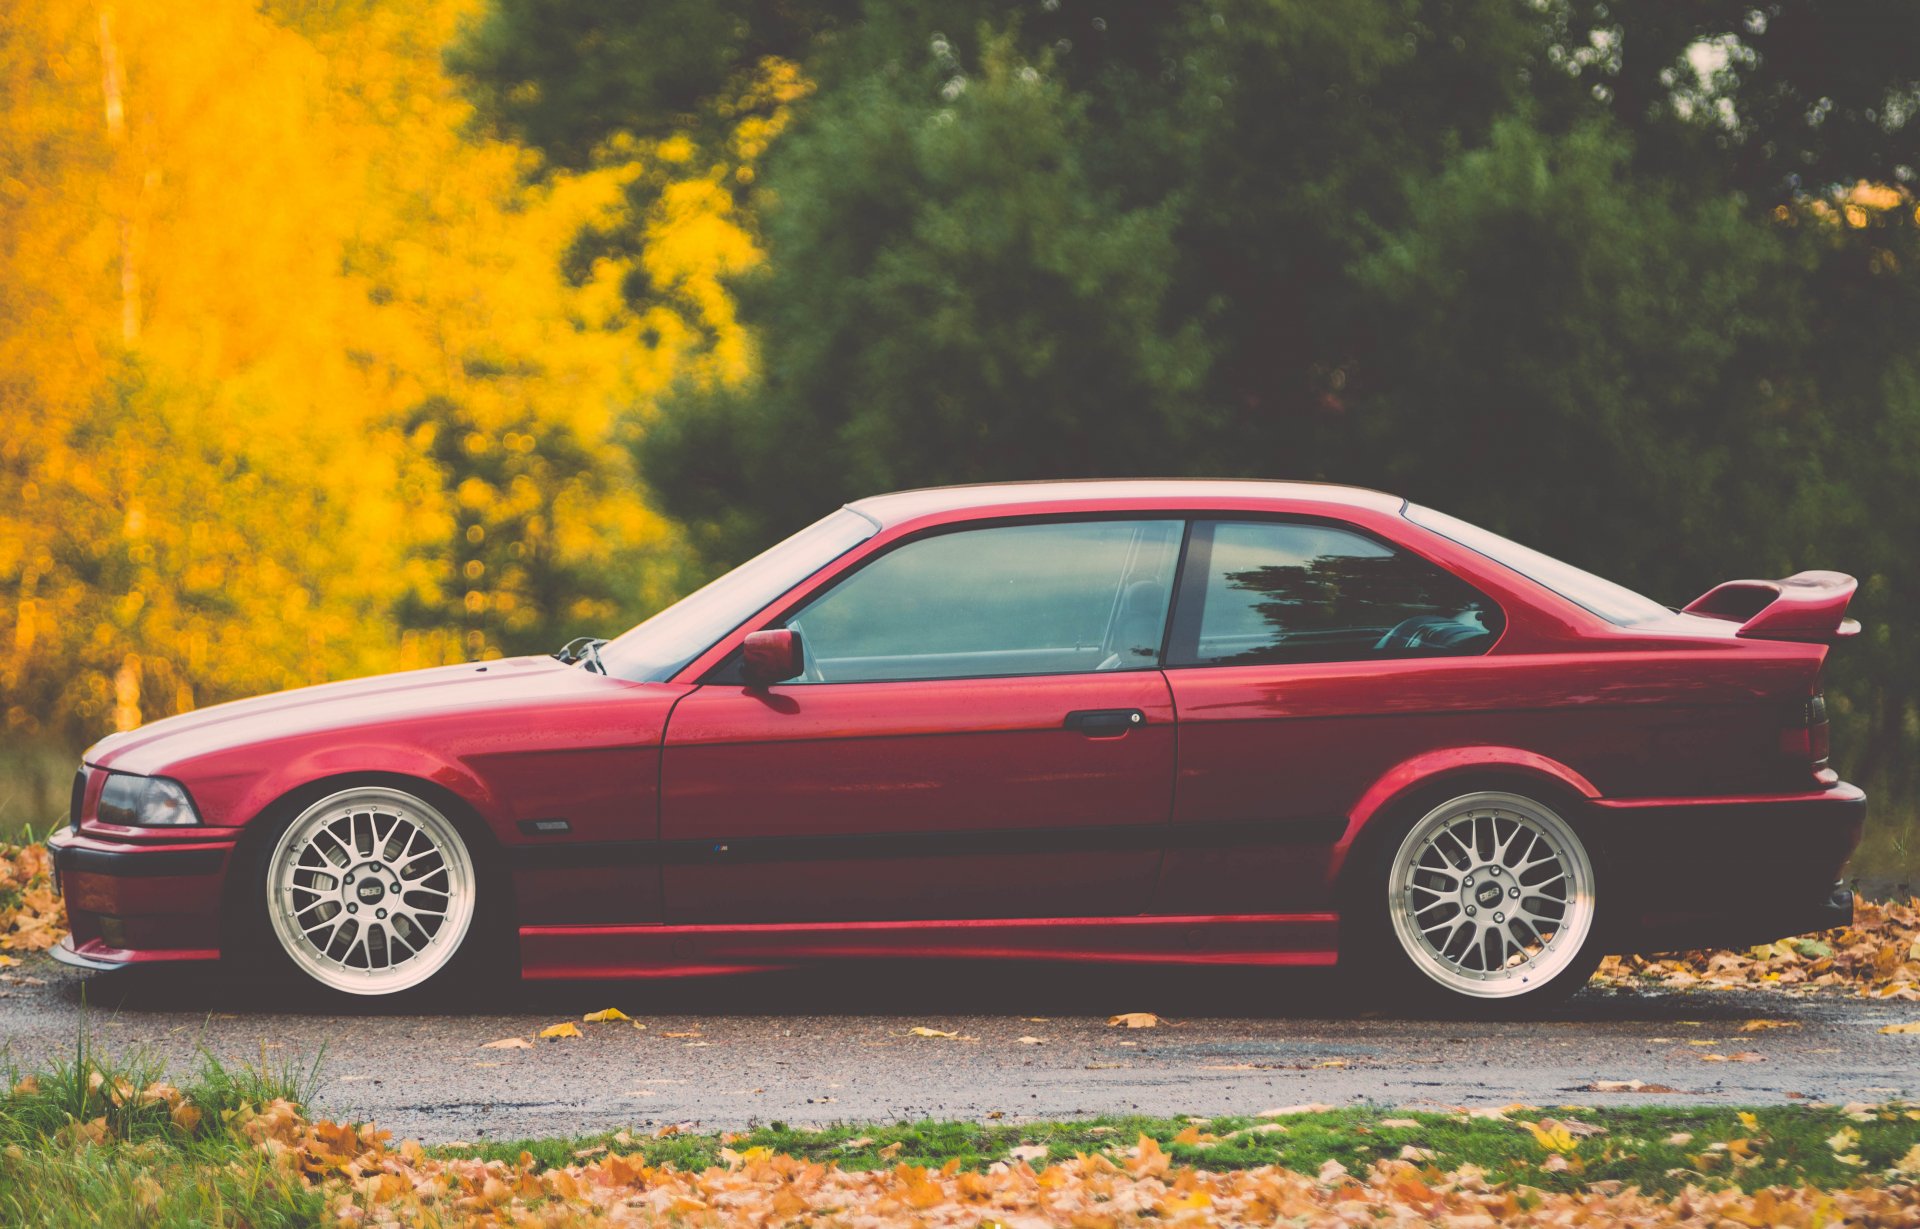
771	657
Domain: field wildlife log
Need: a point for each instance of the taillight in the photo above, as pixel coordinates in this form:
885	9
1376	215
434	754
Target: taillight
1807	739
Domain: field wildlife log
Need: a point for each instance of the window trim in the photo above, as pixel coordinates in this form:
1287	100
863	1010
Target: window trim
1190	589
726	672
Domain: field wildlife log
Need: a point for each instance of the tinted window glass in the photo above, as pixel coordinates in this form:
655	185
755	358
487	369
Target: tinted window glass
1278	592
1012	599
1615	603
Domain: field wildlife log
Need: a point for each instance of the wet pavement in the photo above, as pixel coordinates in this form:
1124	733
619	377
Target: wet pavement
837	1045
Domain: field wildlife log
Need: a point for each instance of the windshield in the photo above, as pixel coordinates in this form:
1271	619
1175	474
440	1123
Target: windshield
1614	603
657	649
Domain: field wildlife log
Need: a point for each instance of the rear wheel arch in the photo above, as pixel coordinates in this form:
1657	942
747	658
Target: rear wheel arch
1386	821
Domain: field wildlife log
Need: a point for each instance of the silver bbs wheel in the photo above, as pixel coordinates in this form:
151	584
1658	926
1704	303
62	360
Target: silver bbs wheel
370	891
1491	895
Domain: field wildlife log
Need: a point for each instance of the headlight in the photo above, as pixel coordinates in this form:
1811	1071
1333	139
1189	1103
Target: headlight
144	802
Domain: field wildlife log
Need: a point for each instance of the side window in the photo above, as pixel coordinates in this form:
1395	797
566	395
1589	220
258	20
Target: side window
1058	598
1269	591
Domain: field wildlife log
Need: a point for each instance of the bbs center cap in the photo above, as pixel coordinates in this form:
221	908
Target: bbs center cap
370	891
1486	896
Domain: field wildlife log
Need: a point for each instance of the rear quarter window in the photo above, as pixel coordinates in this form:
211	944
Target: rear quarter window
1259	592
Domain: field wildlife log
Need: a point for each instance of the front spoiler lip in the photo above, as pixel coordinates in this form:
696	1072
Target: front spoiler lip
64	952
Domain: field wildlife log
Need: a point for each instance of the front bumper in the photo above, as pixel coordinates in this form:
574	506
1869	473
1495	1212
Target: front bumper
1728	872
131	902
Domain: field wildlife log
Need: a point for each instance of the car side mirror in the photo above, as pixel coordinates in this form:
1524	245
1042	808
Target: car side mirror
771	657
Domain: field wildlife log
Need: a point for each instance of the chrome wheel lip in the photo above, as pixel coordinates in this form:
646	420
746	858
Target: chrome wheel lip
1553	957
438	950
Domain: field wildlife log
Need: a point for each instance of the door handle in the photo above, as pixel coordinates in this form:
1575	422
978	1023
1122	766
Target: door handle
1105	722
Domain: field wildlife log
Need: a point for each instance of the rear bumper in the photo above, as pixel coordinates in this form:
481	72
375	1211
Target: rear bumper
131	903
1729	872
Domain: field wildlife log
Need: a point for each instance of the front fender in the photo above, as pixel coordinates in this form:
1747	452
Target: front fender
237	799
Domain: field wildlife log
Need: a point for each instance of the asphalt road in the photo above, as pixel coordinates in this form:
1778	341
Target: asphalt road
832	1046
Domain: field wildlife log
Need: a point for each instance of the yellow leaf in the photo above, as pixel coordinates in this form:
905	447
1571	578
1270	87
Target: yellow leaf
1134	1019
1757	1026
1844	1138
1910	1163
921	1030
564	1029
1912	1026
1149	1161
1552	1136
605	1016
510	1043
1750	1121
639	1026
186	1117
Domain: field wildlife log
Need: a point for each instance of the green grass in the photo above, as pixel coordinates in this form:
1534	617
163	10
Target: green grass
1791	1142
36	778
150	1168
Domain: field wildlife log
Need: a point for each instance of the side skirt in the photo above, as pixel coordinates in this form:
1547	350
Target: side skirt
597	952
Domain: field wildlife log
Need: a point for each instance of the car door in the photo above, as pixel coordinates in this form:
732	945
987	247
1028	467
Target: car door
1296	648
982	730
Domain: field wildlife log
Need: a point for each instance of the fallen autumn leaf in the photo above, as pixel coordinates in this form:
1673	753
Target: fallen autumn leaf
1134	1019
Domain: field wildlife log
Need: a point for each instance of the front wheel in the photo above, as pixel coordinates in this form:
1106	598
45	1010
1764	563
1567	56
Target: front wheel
370	891
1492	896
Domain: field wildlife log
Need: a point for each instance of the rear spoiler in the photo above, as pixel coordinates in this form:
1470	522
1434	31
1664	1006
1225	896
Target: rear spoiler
1809	606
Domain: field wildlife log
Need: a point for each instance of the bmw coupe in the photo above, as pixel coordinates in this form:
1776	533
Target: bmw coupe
1150	722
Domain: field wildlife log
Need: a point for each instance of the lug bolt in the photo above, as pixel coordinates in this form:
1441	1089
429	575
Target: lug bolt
1469	910
1495	872
1499	917
380	913
1469	881
1514	892
349	879
353	908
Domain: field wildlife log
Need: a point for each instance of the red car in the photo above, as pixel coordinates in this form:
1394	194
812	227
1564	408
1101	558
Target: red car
1186	722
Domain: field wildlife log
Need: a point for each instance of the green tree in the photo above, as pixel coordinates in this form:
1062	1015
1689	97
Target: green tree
1632	280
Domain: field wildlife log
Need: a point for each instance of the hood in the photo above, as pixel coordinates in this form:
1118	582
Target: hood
378	700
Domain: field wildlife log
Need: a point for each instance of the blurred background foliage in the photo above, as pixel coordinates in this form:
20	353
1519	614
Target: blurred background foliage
345	334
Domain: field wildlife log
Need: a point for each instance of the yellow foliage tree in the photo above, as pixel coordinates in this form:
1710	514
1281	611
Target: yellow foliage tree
292	385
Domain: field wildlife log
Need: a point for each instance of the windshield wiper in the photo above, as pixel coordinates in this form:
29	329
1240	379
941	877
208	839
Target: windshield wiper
583	648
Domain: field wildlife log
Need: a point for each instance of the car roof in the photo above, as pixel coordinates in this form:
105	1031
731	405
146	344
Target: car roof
902	506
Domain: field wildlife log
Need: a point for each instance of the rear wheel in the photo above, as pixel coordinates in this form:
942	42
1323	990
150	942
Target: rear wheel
371	891
1491	897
